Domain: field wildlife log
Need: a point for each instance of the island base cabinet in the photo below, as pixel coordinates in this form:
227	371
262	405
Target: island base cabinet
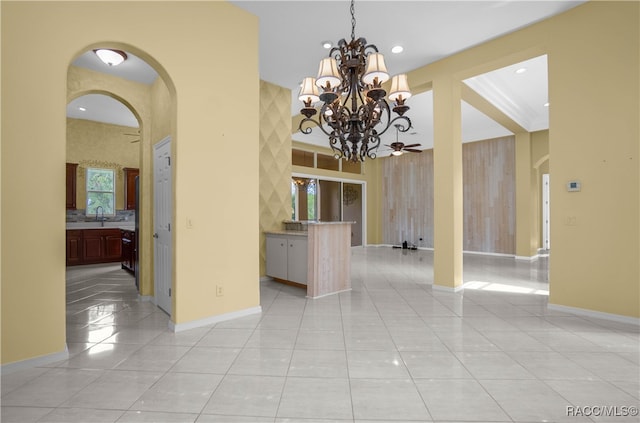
277	257
287	258
297	260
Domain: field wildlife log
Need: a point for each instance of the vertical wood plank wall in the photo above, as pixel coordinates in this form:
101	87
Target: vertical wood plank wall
489	197
407	199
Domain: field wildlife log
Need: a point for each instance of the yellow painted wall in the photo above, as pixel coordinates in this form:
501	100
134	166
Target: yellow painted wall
100	145
593	137
206	132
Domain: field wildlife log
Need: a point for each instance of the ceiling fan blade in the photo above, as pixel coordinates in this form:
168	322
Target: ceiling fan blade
411	145
412	150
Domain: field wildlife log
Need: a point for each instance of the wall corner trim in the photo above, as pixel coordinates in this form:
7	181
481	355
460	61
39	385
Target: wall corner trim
29	363
214	319
595	314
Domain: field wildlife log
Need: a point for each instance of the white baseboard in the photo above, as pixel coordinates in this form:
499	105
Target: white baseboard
597	314
527	258
29	363
480	253
447	288
486	253
146	298
179	327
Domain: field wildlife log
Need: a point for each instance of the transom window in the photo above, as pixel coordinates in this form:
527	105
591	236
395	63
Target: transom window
101	191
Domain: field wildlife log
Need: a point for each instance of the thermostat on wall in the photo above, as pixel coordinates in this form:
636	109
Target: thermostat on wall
573	186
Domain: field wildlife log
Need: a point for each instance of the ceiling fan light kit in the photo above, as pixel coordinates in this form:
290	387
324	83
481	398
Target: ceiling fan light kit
354	109
398	148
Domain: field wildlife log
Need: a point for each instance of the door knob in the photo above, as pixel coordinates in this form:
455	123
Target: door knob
155	235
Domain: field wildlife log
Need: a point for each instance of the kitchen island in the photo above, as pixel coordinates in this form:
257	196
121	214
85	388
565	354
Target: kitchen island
315	255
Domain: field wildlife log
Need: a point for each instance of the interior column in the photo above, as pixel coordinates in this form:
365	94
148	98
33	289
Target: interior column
447	177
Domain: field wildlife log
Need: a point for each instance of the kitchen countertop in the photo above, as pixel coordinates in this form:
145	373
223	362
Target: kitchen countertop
129	226
283	232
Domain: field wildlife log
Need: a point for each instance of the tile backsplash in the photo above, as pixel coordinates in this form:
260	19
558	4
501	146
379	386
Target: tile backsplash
79	215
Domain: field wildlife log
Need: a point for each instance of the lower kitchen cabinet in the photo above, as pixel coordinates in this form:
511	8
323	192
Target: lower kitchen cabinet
74	247
92	246
287	258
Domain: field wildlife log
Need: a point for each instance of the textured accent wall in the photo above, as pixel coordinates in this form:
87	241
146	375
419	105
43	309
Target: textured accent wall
407	199
489	197
275	161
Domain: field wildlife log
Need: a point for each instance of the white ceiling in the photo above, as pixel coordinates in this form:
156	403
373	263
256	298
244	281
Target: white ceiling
291	33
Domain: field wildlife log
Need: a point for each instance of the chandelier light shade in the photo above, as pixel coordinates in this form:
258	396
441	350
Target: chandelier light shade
308	92
354	112
376	73
111	57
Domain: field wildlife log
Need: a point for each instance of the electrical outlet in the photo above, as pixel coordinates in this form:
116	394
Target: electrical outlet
219	291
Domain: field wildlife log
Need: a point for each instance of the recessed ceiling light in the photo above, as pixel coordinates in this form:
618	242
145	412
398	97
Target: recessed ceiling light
546	104
110	57
327	44
521	70
397	49
82	109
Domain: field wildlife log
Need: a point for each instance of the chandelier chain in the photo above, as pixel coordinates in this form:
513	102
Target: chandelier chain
354	129
353	20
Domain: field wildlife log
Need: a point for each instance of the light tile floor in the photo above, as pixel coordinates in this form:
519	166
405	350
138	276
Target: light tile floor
391	350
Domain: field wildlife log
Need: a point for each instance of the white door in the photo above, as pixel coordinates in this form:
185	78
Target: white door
162	252
546	228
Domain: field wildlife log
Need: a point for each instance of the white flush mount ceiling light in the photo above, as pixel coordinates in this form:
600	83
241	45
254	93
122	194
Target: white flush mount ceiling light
354	112
111	57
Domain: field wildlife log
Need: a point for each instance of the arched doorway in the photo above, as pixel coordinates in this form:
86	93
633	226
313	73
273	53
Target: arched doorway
140	88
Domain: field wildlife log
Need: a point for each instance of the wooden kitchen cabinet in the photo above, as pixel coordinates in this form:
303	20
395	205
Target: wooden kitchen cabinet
128	250
72	169
130	187
74	247
91	246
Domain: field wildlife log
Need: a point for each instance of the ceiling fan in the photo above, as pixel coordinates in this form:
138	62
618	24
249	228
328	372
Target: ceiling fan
398	148
137	134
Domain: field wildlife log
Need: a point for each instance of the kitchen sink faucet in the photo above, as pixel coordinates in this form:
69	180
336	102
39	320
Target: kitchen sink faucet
102	218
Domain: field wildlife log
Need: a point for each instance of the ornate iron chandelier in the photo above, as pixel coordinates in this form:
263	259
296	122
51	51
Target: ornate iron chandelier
354	108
